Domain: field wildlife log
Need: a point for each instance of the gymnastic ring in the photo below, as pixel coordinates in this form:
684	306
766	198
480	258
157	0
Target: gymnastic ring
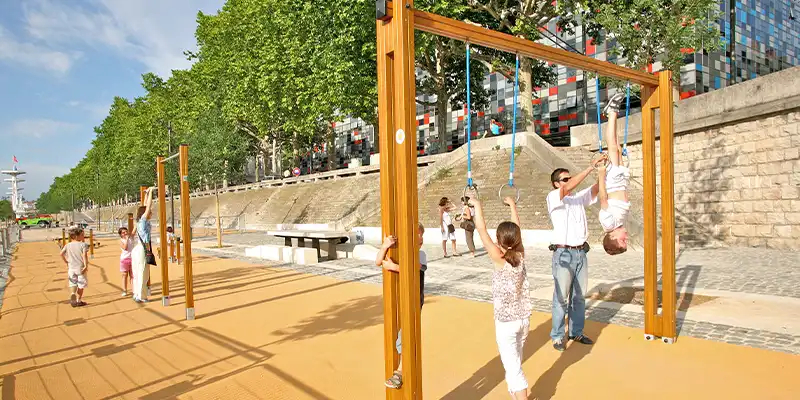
625	158
500	192
473	187
595	157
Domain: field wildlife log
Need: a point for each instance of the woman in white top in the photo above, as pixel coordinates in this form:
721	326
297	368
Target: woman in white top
446	224
468	224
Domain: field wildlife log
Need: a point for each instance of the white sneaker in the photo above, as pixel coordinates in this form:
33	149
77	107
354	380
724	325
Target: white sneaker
613	103
124	294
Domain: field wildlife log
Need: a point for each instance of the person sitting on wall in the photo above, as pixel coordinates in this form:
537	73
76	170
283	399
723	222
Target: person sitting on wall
495	127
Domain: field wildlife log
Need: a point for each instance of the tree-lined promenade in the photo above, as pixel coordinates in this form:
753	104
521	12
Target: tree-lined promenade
272	77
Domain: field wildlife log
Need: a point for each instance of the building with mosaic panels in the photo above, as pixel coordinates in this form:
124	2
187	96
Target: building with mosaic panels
759	37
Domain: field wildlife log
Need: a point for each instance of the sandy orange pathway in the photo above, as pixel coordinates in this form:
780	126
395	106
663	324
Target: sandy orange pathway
273	333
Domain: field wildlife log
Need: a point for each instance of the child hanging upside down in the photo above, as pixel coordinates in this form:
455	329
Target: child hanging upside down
613	186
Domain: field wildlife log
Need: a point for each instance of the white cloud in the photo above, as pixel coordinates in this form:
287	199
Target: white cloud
94	111
153	32
38	128
34	55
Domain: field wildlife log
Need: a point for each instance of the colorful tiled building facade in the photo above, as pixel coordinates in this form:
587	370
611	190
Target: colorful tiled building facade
758	37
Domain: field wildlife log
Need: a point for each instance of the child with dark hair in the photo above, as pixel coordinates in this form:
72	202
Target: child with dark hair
76	255
510	294
126	245
396	380
446	226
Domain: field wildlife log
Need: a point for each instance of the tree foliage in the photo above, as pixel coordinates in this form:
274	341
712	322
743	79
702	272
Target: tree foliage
6	211
272	77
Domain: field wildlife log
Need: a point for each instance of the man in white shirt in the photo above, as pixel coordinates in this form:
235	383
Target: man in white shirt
570	267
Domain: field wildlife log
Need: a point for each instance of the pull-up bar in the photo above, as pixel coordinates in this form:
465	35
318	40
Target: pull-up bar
473	34
169	158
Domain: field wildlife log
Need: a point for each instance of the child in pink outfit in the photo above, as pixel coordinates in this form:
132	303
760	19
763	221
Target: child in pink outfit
126	245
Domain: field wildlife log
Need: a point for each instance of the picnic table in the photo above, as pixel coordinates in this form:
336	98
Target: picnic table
331	239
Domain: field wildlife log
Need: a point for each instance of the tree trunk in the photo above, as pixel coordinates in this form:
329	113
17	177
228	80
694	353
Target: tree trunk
256	159
275	167
330	139
441	123
525	101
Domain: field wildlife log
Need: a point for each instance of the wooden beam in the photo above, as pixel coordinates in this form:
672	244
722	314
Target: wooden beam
391	281
186	227
474	34
405	202
162	230
667	207
649	104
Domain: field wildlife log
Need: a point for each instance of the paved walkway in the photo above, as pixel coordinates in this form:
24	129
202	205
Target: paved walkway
270	332
752	295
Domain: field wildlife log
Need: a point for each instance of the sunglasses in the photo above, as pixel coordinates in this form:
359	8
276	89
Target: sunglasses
564	179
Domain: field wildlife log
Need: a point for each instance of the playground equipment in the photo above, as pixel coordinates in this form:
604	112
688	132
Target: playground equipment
186	228
398	153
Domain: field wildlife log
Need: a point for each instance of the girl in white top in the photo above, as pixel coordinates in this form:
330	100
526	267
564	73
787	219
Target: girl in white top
510	294
126	245
446	224
613	187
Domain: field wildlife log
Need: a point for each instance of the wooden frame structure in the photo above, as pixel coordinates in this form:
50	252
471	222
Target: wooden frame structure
398	160
186	228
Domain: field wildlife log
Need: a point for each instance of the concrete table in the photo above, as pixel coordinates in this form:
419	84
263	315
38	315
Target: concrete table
331	239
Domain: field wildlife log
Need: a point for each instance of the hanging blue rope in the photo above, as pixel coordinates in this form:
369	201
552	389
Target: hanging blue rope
514	125
599	121
627	113
468	128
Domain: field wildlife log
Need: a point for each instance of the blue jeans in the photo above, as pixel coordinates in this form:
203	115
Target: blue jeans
571	275
398	344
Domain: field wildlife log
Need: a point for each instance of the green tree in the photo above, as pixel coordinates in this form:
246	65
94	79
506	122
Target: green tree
6	211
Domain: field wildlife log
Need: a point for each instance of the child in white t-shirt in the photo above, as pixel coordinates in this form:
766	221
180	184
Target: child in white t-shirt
613	182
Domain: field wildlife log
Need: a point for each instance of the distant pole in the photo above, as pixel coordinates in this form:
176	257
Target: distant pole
91	242
186	227
219	222
162	230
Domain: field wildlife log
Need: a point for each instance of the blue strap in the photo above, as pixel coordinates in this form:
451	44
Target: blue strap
599	121
627	113
514	125
468	128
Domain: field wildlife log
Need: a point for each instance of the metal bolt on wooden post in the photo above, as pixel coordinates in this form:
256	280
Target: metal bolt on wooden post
186	228
162	230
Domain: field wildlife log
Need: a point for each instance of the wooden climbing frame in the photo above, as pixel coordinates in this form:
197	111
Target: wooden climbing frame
398	160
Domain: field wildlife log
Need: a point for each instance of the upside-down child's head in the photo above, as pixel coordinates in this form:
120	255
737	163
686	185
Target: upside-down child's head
509	238
420	233
616	241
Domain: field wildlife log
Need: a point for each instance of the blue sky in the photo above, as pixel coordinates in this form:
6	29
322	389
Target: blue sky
62	63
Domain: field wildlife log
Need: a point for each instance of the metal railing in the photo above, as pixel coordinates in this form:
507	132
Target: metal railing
9	237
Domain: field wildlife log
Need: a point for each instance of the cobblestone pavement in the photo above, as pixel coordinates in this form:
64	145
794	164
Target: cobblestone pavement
447	277
742	270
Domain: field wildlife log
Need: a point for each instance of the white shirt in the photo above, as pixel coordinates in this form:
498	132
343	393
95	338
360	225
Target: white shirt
569	217
614	216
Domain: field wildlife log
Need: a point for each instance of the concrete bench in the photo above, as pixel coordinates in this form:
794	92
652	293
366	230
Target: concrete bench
270	252
331	239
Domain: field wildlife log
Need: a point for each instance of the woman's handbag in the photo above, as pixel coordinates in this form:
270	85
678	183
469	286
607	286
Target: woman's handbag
468	225
451	228
149	257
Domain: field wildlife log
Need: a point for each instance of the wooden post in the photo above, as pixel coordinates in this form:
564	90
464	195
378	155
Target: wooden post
162	230
63	237
130	222
219	218
142	190
186	228
399	89
666	142
178	249
172	249
650	100
391	320
91	242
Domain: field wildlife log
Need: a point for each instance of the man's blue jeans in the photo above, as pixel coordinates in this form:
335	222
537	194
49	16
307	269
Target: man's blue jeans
571	275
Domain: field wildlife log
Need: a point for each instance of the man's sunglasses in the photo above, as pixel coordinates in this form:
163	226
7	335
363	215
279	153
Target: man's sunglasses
564	179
